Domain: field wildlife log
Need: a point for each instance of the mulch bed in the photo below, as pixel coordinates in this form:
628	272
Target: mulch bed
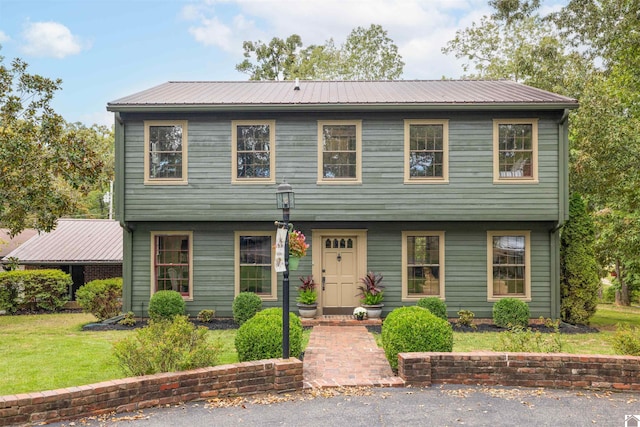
214	325
564	328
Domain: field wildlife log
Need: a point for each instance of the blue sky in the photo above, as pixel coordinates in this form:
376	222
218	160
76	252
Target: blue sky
103	50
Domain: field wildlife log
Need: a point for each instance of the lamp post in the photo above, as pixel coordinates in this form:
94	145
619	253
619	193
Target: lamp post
285	200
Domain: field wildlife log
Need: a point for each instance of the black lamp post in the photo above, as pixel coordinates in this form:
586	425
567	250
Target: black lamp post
285	200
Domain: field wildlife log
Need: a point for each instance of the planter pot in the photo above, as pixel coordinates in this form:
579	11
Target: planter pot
308	311
373	311
293	262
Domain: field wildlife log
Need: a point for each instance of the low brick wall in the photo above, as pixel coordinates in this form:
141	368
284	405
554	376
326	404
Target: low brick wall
521	369
131	394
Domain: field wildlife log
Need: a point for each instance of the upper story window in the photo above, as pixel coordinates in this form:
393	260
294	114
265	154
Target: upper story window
253	147
423	264
509	264
515	150
426	151
165	149
172	259
340	151
254	270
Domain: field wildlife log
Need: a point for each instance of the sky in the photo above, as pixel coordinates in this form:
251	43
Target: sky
104	50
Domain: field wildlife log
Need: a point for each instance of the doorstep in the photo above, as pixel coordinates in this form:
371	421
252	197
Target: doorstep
339	320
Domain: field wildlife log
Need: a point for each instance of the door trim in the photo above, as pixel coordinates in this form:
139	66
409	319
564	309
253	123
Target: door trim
317	237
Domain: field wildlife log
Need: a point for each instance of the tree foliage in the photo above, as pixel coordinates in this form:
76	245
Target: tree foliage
367	54
43	162
579	280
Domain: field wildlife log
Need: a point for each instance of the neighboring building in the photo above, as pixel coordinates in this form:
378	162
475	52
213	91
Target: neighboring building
87	249
8	243
453	189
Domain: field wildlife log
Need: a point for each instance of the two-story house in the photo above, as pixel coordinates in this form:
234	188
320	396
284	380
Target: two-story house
453	189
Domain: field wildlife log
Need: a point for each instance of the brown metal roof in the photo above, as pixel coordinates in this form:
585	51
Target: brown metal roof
348	94
74	241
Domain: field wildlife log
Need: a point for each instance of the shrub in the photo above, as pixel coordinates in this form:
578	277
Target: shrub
206	316
414	328
165	305
245	306
261	336
129	319
166	346
519	339
34	289
466	319
102	298
510	312
435	305
626	341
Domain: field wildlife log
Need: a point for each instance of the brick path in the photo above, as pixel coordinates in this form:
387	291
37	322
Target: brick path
341	356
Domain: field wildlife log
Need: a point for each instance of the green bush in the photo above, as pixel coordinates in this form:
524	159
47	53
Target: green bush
102	298
245	306
519	339
129	319
410	329
466	319
435	305
34	289
261	336
511	312
166	346
626	341
206	316
166	304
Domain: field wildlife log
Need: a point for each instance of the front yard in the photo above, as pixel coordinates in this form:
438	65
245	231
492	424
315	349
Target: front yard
44	352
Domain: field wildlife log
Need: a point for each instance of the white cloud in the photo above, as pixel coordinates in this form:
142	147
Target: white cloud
50	39
419	28
4	37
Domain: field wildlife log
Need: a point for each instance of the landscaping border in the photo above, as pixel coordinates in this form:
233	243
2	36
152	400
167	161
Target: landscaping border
554	370
131	394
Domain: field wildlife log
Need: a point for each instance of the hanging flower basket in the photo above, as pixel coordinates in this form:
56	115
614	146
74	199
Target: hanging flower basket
293	262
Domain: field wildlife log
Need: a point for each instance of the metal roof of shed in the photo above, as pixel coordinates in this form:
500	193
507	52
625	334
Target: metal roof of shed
200	95
74	241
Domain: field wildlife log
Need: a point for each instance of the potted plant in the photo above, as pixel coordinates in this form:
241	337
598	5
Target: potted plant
297	248
307	298
371	294
359	313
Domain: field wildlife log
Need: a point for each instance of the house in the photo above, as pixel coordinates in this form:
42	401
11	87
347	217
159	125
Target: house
452	189
86	249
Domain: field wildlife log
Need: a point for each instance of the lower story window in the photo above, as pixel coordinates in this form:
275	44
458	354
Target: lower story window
423	264
254	264
172	260
508	264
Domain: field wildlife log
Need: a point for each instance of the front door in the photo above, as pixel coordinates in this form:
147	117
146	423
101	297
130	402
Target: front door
339	274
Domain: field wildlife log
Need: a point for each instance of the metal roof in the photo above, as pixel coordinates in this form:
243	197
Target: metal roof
8	244
74	241
344	94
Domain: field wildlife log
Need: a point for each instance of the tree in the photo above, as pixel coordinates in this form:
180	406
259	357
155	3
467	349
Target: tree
43	164
579	279
367	54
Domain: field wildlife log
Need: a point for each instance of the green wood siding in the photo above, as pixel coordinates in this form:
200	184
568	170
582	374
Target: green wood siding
465	263
469	195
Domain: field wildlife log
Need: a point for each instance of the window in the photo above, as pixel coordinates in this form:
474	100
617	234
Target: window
254	264
165	160
253	146
422	264
339	152
508	264
426	151
515	151
171	262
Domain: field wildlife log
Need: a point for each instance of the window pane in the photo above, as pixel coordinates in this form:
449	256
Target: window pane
339	151
172	263
253	151
423	265
165	152
509	265
515	150
255	264
426	151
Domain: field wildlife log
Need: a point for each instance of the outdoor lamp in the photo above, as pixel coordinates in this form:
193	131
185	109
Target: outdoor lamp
284	196
285	201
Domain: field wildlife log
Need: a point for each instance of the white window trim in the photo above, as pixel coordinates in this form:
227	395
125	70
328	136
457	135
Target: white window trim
185	157
533	179
234	152
527	266
445	152
236	262
153	259
340	181
405	279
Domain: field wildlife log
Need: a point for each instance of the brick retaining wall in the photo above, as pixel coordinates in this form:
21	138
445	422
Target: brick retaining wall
135	393
521	369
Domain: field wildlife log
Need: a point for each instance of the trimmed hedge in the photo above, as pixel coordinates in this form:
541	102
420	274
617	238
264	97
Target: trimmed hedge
102	298
34	289
261	336
435	305
166	305
511	312
414	329
245	306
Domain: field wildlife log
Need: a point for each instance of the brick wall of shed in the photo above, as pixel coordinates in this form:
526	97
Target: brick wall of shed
104	271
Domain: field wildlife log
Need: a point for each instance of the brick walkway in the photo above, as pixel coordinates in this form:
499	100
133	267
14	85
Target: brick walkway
341	356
